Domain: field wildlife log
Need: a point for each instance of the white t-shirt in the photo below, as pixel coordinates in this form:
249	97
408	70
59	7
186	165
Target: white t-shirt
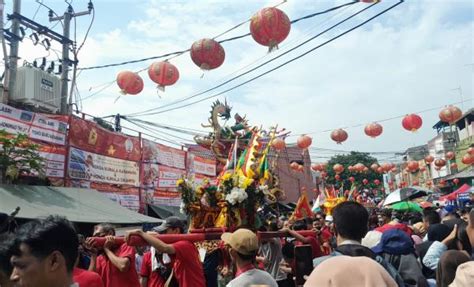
253	277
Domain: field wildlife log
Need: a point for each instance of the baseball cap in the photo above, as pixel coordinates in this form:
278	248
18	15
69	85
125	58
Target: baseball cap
170	222
242	240
395	242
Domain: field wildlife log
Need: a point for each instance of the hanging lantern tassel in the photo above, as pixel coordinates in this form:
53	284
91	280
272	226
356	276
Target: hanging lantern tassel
122	93
272	46
159	89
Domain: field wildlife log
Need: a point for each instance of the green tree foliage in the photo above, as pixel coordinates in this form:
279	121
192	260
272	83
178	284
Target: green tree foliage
18	154
352	159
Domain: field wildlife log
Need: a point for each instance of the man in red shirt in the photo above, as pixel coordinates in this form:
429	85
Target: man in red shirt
187	268
83	277
150	271
300	239
116	266
323	231
86	278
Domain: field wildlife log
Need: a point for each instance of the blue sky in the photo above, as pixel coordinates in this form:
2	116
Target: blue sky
407	60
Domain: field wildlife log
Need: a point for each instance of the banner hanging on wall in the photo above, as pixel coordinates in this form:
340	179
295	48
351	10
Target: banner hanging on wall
89	166
36	126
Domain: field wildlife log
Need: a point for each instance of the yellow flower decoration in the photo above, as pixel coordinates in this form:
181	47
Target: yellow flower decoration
244	182
179	182
226	176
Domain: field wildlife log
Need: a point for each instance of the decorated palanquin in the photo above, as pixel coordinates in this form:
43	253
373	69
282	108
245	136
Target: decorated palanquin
245	182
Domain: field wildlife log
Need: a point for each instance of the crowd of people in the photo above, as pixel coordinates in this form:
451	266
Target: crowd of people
353	246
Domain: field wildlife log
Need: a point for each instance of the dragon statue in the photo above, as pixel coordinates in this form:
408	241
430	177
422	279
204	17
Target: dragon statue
220	140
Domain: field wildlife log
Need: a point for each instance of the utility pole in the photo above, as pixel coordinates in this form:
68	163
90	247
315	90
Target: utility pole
66	62
13	59
118	127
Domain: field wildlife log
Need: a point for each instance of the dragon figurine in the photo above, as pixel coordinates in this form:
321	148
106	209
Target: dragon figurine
220	140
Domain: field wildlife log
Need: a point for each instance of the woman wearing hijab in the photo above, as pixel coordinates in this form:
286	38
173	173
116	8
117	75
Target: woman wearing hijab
343	271
448	263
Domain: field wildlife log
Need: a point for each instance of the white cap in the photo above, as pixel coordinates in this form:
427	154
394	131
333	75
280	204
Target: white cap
329	218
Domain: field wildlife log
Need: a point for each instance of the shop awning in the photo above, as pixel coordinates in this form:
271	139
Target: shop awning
76	204
164	211
452	196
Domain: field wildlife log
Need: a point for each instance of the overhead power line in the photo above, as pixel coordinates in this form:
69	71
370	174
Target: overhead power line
255	68
281	65
176	53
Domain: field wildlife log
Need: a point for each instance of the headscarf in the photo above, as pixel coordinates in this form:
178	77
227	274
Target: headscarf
342	271
447	265
464	275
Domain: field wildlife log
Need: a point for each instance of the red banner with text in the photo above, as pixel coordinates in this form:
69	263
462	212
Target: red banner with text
89	136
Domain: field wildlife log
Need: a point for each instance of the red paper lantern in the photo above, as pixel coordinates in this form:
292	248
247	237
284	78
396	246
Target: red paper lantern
442	182
404	183
359	167
304	141
437	168
429	159
413	166
339	136
365	181
454	165
300	168
440	162
386	167
351	179
269	27
163	73
350	168
337	177
207	54
338	168
374	166
467	159
373	130
450	114
316	167
394	170
130	83
412	122
376	182
380	169
456	181
324	174
366	169
429	183
470	150
423	168
450	155
278	144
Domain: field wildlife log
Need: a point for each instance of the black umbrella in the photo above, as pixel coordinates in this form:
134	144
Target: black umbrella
406	193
